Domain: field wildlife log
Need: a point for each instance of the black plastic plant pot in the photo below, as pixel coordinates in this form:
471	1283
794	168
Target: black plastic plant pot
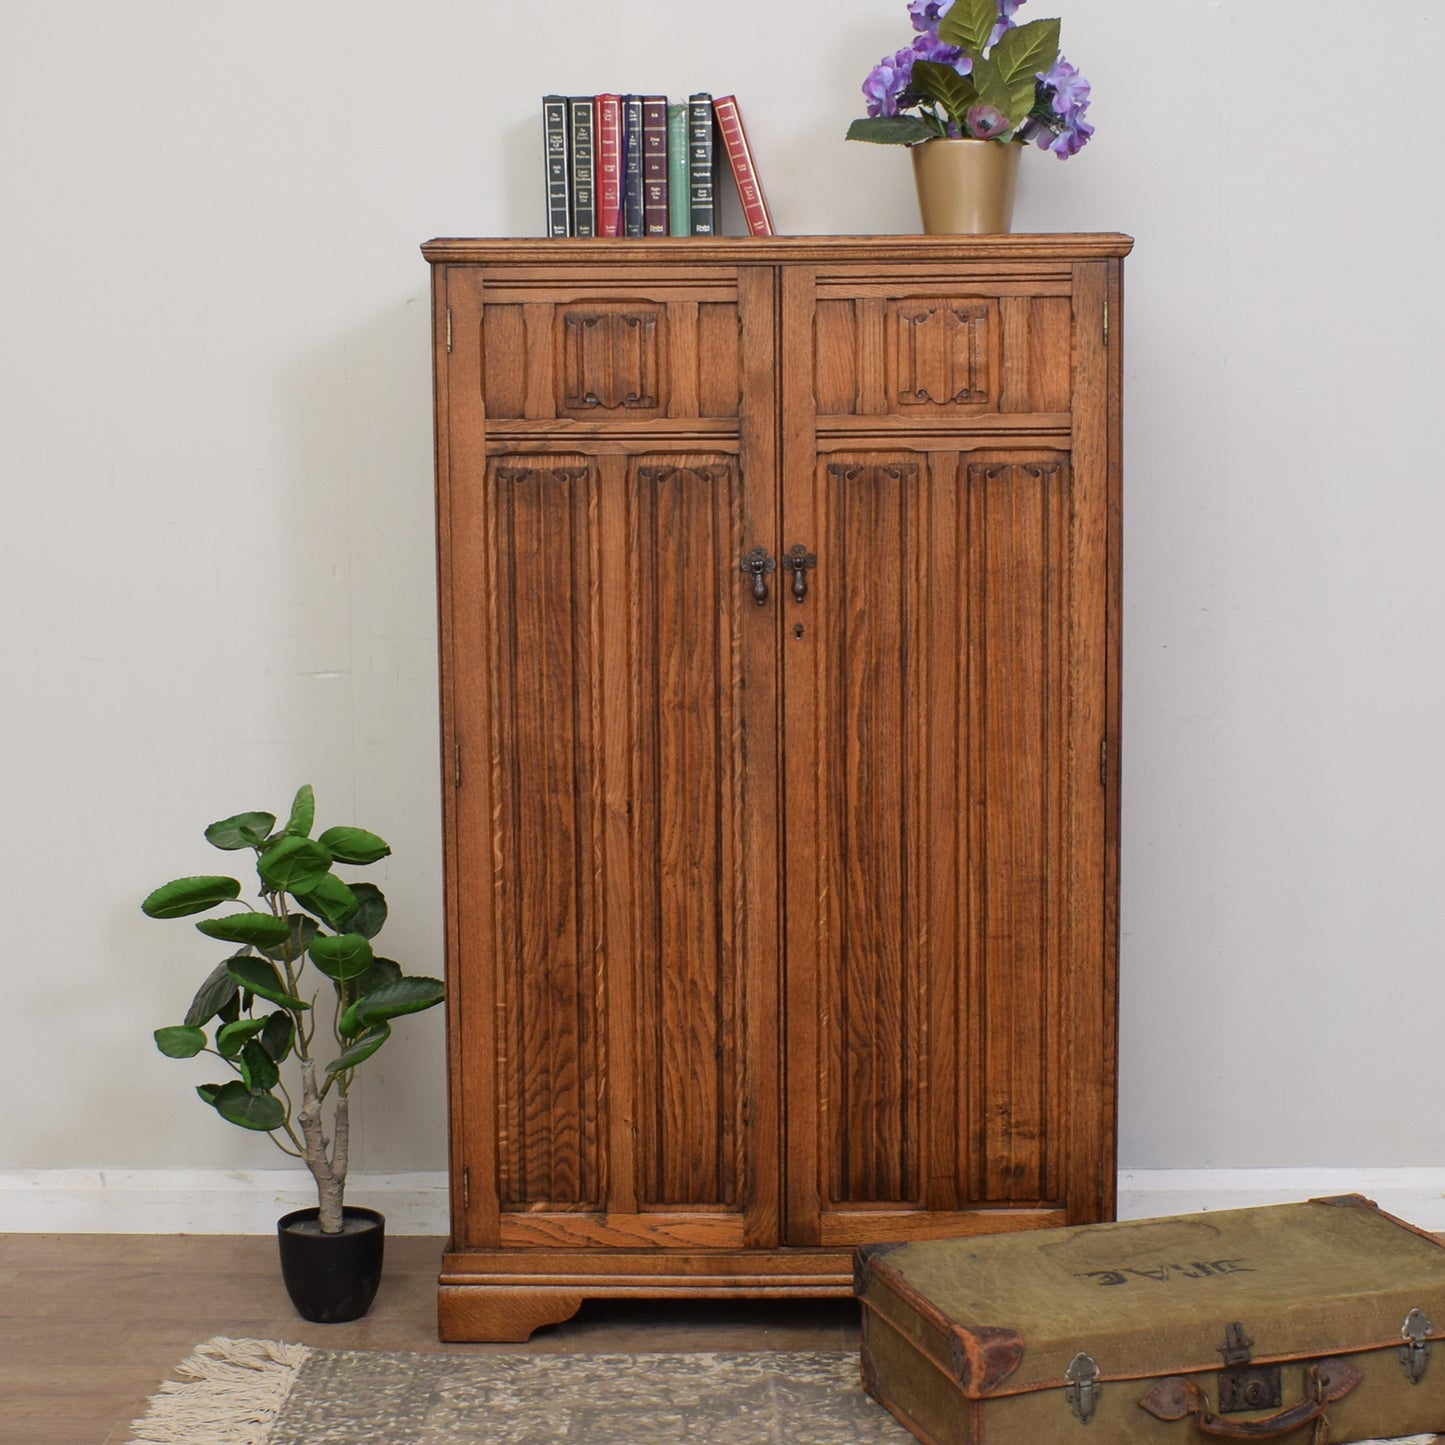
331	1277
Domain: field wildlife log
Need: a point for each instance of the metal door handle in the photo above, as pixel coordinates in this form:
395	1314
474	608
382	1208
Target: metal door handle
758	565
799	562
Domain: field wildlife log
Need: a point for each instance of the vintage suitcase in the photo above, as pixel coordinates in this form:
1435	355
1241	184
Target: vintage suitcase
1305	1323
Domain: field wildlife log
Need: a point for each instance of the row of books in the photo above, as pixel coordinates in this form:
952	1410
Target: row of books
637	165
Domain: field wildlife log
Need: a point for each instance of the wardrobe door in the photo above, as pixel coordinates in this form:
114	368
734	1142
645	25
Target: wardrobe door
947	1001
611	705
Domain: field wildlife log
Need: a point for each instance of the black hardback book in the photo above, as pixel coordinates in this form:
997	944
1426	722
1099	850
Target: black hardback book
584	195
702	165
632	212
559	185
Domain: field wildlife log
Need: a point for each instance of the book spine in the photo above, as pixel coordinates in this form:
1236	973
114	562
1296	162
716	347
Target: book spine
632	165
750	190
584	198
679	195
559	187
654	165
702	174
607	148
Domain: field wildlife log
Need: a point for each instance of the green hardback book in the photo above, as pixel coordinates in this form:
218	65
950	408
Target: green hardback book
679	192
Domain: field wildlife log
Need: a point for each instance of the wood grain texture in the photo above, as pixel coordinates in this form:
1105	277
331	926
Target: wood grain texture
776	929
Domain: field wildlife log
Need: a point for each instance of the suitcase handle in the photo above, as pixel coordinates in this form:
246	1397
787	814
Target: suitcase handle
1325	1382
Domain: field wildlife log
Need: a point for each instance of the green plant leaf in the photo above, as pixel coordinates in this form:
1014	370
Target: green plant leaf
903	130
263	978
293	865
257	929
180	1043
213	995
245	830
303	929
340	956
331	899
354	845
1026	50
258	1068
208	1092
382	970
360	1049
968	25
231	1037
303	812
184	896
370	913
954	92
237	1104
278	1035
391	1000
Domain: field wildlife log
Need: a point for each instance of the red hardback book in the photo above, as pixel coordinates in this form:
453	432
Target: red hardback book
654	165
607	140
735	142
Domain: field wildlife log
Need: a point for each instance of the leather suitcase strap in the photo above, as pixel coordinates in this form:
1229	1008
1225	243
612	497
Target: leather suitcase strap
1178	1398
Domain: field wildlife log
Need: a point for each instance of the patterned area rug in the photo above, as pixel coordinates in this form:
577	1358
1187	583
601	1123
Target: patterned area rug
258	1392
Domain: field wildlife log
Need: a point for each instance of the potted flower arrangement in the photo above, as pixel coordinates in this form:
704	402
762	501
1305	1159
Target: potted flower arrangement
264	1012
964	95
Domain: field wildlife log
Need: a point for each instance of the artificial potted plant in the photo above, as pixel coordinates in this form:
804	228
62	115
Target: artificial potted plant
268	1016
963	96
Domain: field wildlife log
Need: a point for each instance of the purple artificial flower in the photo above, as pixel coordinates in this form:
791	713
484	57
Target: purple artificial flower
887	81
985	122
1006	9
927	13
929	47
1068	96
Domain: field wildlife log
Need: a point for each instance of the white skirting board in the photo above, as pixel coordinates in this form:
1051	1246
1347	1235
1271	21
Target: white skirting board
199	1201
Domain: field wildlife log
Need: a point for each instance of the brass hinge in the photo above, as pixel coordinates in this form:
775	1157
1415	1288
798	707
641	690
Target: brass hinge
449	328
1103	762
466	1187
1106	326
456	765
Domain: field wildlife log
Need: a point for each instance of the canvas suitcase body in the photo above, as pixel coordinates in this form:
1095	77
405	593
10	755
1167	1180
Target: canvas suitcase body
1304	1323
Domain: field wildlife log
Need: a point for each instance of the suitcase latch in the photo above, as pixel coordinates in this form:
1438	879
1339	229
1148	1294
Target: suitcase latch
1415	1352
1081	1387
1243	1386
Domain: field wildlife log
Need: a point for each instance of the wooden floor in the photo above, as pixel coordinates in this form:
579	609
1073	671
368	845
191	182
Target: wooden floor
90	1324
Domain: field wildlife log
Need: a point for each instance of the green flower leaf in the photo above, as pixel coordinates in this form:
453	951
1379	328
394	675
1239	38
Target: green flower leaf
340	956
237	1104
370	913
391	1000
263	978
1025	51
303	812
360	1049
261	930
354	845
1012	99
208	1092
245	830
213	995
293	865
331	899
303	929
184	896
180	1043
903	130
954	92
382	970
968	25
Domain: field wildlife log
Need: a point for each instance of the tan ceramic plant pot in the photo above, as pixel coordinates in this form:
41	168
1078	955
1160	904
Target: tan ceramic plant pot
966	187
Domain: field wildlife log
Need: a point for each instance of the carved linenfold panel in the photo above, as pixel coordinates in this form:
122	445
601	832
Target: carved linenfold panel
944	353
610	360
547	911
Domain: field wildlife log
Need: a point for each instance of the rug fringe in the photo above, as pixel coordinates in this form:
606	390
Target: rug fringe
228	1392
